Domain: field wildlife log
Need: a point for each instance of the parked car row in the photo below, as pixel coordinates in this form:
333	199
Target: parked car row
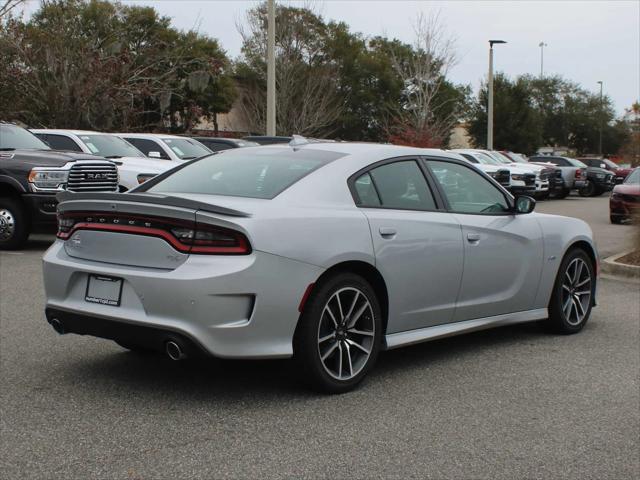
37	164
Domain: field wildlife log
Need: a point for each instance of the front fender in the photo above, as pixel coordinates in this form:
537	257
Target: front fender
560	234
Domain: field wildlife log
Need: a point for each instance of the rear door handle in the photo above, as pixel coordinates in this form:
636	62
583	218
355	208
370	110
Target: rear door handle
473	237
387	232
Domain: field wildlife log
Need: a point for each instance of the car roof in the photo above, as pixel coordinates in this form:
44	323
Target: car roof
64	130
357	148
150	135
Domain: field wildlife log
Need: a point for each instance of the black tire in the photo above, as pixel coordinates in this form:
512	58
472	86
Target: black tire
615	219
306	344
563	295
564	193
541	196
588	191
14	224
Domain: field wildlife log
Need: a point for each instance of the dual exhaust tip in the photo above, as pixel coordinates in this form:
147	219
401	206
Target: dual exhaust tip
172	348
174	351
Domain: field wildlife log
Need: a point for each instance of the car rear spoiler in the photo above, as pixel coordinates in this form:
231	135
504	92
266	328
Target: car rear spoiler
150	198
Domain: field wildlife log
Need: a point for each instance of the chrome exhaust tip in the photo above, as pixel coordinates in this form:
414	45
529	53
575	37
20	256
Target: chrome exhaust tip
57	326
174	351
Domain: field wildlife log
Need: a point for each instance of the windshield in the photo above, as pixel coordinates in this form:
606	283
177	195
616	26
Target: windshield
633	177
518	158
237	174
576	163
609	163
486	159
186	148
109	146
13	137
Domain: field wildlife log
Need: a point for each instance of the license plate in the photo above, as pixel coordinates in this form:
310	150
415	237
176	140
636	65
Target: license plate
104	290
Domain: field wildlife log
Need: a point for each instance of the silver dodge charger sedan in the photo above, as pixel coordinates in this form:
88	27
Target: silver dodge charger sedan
324	252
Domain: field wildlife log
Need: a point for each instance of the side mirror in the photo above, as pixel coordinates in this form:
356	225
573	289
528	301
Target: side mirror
154	155
524	204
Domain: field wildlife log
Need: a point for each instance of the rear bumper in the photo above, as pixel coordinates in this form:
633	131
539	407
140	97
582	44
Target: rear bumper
152	338
229	306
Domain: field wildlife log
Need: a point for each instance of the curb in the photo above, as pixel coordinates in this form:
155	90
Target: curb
610	266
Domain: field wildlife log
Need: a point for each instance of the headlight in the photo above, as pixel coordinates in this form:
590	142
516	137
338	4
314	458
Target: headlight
44	179
616	196
600	175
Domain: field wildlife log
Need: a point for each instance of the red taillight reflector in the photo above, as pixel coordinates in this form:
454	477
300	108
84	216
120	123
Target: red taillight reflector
305	297
578	173
183	235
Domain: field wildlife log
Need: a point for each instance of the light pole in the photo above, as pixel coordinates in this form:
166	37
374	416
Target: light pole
600	122
490	108
542	45
271	68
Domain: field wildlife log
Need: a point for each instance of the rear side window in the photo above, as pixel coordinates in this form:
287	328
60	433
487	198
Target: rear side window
261	174
398	185
148	146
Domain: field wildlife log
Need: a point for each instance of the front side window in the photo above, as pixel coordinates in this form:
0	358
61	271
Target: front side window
466	190
149	148
399	185
260	174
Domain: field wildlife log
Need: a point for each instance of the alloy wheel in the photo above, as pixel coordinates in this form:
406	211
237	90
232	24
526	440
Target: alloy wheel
7	224
346	333
576	291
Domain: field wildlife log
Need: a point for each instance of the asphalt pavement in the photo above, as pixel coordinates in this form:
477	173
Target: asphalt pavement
508	403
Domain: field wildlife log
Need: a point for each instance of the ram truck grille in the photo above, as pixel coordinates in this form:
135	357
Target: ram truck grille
93	176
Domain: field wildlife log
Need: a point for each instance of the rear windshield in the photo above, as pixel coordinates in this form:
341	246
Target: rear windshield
576	163
257	174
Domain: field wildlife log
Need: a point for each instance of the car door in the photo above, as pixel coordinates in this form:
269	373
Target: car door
418	246
503	253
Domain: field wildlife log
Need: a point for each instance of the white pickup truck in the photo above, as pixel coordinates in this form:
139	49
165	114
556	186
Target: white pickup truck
134	168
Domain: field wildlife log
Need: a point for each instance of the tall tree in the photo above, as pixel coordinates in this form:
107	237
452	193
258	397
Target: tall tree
430	106
103	65
572	116
307	102
518	125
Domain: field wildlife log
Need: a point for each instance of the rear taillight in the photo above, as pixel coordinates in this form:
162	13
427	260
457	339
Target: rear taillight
579	173
183	235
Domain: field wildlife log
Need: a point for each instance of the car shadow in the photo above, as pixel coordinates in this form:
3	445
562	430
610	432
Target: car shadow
38	242
195	380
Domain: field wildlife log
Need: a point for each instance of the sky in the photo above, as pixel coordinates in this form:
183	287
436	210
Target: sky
587	41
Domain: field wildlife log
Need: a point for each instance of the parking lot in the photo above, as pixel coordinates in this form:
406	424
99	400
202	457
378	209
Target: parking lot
505	403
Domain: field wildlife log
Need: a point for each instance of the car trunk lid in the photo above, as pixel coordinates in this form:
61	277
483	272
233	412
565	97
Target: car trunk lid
143	230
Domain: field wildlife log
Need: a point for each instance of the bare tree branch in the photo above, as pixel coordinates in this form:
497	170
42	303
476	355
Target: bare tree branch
422	113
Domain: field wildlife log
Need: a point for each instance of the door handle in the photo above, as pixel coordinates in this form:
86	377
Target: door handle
473	237
387	232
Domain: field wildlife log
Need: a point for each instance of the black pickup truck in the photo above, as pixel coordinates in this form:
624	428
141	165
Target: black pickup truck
31	174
